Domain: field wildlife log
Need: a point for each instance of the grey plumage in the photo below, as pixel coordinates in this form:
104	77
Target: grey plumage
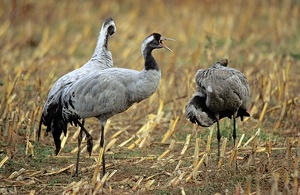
111	91
52	110
222	92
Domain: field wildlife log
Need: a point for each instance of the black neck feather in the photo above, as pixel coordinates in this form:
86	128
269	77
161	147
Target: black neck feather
150	63
106	40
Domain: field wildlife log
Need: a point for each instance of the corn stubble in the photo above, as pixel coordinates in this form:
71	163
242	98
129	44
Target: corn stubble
153	136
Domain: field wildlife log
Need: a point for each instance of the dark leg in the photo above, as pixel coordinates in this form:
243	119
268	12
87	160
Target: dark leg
218	136
102	146
234	131
234	138
89	143
78	152
89	139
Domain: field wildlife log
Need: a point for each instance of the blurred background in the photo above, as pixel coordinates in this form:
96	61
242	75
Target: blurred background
43	40
40	41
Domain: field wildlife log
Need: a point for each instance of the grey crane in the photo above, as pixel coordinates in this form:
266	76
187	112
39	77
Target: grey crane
222	92
52	110
105	93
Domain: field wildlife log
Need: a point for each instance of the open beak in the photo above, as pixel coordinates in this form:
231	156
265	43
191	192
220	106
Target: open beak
163	45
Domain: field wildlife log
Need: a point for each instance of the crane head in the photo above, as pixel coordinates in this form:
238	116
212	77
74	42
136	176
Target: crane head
110	25
155	41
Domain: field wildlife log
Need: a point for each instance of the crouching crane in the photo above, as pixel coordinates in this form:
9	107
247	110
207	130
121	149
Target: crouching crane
222	92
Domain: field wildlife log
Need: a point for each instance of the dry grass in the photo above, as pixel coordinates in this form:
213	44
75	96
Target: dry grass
152	148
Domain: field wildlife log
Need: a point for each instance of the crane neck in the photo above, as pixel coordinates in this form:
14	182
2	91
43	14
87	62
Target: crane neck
150	62
101	43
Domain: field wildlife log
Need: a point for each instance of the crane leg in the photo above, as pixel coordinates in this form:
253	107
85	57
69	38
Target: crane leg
89	139
234	131
89	143
102	146
234	138
218	136
78	152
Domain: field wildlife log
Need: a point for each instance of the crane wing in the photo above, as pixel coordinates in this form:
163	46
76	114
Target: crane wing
96	95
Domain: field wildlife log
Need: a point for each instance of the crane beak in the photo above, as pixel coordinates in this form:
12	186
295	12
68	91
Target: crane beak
163	45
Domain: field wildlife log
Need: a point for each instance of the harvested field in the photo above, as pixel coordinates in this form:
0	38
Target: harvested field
152	148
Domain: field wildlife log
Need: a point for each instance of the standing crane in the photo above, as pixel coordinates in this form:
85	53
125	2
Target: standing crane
105	93
222	92
52	110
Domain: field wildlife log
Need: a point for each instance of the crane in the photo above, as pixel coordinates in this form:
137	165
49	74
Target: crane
105	93
52	110
222	92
